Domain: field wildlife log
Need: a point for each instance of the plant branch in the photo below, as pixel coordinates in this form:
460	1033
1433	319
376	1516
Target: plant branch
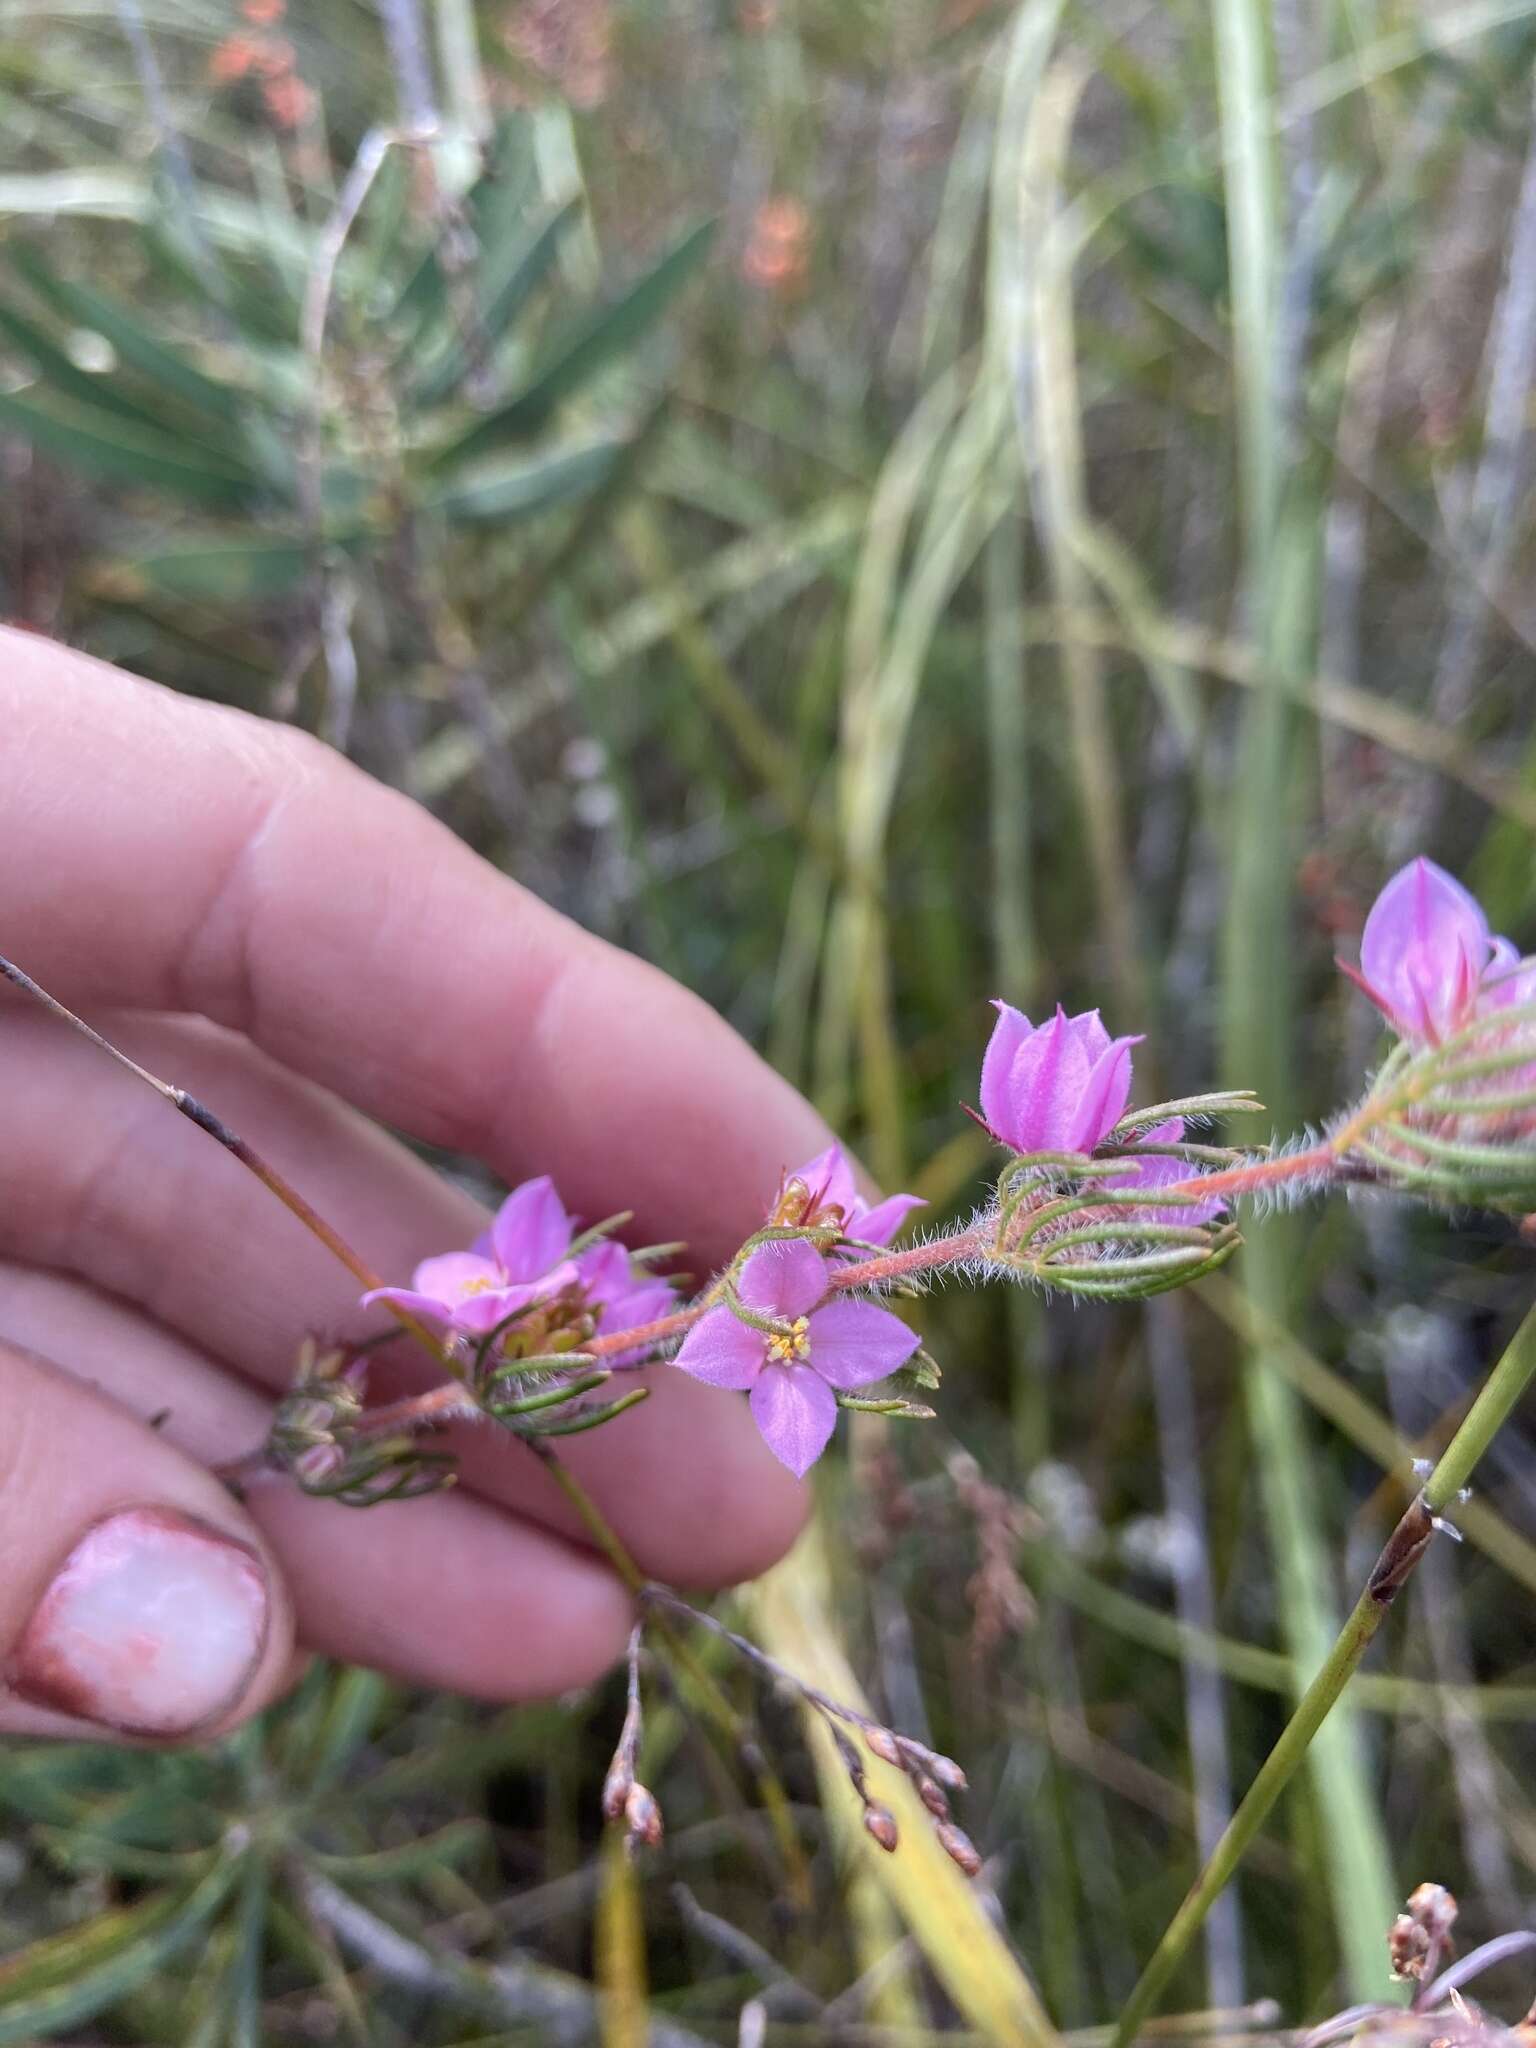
1407	1544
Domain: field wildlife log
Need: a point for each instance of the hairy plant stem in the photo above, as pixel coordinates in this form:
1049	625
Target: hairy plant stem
883	1269
1407	1544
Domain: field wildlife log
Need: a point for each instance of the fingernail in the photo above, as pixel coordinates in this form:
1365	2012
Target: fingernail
153	1625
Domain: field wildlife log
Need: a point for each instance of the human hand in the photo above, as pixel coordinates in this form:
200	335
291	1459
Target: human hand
248	915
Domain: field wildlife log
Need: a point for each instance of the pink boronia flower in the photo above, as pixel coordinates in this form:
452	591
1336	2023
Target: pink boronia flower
1429	961
1062	1086
824	1189
524	1258
793	1378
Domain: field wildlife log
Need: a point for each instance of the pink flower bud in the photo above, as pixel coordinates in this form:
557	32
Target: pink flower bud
1061	1086
884	1745
959	1848
881	1823
931	1794
1423	953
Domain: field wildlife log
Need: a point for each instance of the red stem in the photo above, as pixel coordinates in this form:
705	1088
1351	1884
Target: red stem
1264	1173
443	1403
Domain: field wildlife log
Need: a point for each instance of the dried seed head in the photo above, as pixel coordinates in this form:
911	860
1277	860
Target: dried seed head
1435	1908
881	1823
959	1848
884	1745
643	1816
1417	1939
1407	1947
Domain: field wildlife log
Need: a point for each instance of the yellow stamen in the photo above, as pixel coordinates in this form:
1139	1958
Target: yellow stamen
794	1347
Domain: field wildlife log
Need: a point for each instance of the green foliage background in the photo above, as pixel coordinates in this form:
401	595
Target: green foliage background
872	506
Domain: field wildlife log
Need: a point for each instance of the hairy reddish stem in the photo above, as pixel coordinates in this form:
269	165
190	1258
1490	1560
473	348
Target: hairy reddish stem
451	1402
1263	1173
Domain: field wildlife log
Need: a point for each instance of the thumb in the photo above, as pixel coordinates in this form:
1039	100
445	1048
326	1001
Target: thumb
137	1599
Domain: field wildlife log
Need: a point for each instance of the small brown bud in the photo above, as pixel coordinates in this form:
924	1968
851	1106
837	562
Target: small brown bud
643	1816
617	1787
948	1773
959	1848
884	1745
881	1823
931	1795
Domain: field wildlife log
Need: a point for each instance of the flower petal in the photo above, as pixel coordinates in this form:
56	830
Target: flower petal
785	1277
1423	951
1508	979
1102	1102
796	1412
646	1303
723	1351
532	1231
1087	1027
1008	1034
881	1223
452	1276
1161	1173
1050	1072
830	1180
411	1301
478	1313
854	1343
605	1271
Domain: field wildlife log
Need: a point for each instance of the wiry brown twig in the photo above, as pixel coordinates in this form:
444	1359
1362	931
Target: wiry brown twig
933	1775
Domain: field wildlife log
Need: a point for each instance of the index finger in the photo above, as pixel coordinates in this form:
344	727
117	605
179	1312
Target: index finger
161	853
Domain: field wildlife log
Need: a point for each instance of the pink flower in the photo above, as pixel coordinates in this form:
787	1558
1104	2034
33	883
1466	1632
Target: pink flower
1424	952
521	1259
845	1344
623	1295
1056	1087
829	1179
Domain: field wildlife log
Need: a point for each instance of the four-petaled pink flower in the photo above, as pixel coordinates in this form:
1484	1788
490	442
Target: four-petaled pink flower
843	1345
524	1258
1055	1087
521	1259
1424	952
829	1179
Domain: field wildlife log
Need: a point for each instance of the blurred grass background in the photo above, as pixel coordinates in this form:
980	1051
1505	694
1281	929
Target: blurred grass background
872	506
